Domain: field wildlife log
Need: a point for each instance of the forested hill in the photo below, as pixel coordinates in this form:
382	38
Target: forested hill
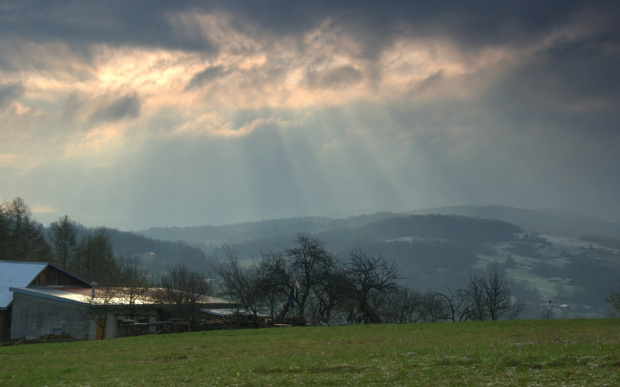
541	221
212	236
449	227
154	254
537	221
239	232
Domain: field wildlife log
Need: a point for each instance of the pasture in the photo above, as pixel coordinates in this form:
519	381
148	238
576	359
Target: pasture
522	352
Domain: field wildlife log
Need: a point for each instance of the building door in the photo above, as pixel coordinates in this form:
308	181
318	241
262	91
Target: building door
100	329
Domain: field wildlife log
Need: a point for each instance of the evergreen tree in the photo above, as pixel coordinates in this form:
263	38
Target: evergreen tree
63	236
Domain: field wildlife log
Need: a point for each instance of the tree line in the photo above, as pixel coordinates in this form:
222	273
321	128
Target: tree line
87	254
307	284
301	284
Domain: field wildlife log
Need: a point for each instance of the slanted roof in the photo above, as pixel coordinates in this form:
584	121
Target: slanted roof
54	294
16	274
227	312
75	295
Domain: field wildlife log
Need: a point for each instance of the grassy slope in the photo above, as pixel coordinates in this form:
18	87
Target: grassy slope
573	352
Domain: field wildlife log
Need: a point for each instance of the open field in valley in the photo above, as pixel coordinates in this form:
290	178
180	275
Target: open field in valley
526	352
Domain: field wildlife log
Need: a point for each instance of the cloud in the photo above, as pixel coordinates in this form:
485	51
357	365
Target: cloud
243	110
127	106
340	77
10	160
8	93
206	76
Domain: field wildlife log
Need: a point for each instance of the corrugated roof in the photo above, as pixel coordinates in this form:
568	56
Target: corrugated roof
16	274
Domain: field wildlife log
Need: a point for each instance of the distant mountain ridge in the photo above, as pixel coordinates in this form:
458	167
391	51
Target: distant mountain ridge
543	221
436	226
235	233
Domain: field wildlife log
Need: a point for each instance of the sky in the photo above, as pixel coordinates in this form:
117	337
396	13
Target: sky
136	114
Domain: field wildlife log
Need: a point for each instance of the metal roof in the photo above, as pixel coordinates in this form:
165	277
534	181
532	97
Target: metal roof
225	312
75	295
16	274
54	294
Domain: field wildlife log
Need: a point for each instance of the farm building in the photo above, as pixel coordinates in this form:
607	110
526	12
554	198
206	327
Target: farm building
39	299
84	314
29	275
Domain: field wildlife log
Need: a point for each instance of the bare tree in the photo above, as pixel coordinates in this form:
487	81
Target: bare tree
293	278
124	295
331	294
433	307
473	299
454	304
277	284
184	290
614	301
488	298
368	273
99	306
242	284
497	295
399	306
311	263
132	285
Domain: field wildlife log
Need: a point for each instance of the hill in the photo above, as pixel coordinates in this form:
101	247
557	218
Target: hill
156	255
209	237
542	221
537	221
538	249
448	227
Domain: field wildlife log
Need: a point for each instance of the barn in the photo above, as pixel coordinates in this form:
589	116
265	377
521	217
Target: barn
29	275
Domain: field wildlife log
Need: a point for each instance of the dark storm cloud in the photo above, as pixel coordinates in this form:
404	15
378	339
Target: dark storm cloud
374	24
81	24
571	87
583	68
147	23
124	107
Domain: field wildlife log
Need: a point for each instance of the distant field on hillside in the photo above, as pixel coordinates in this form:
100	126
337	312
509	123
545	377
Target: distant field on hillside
526	352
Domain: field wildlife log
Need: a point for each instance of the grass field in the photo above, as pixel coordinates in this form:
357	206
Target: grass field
552	352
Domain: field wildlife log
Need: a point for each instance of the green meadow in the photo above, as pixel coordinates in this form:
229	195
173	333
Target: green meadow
521	352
